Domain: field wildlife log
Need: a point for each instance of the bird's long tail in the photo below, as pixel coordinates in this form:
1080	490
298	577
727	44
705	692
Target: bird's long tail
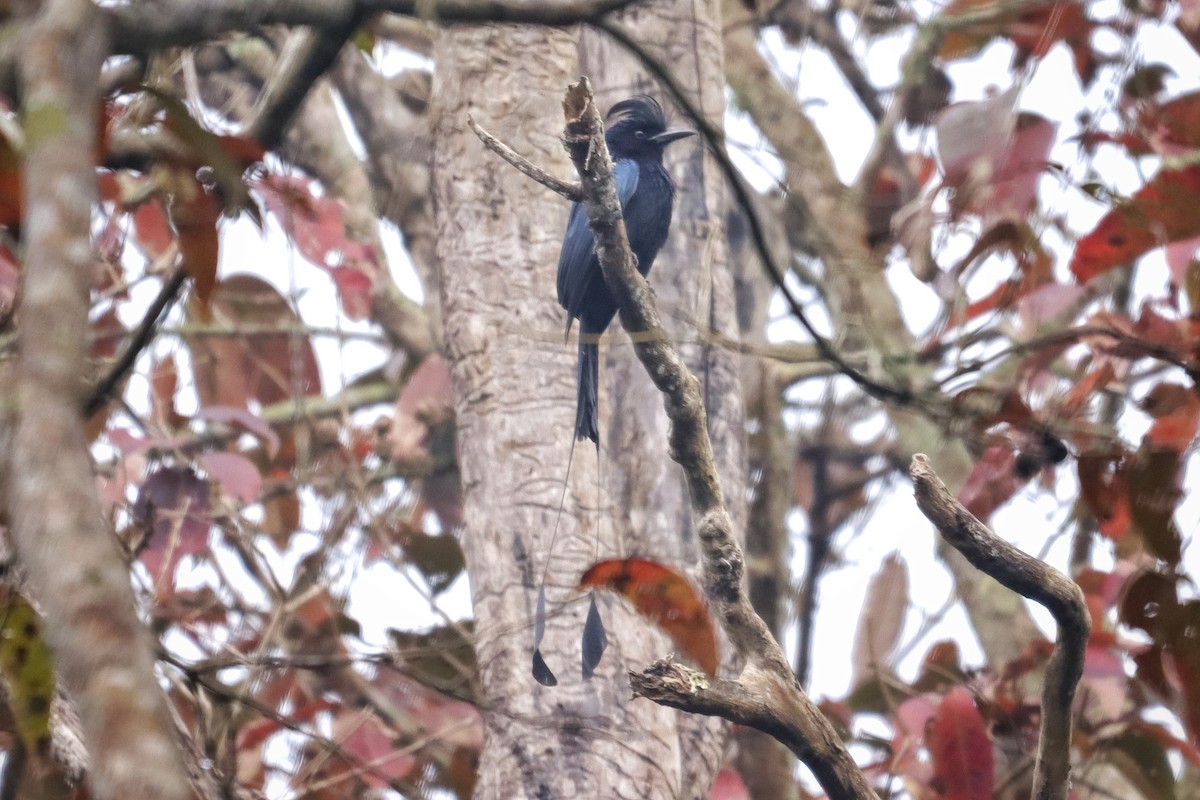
587	425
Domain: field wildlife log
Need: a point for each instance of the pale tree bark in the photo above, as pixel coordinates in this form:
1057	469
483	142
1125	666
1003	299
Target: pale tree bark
694	287
102	652
498	241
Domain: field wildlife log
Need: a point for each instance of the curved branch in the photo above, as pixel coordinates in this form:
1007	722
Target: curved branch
137	33
767	696
1039	582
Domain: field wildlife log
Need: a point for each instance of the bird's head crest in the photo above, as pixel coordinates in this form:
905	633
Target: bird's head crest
642	110
637	128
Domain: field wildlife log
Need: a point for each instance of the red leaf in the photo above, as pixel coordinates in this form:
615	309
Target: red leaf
1103	485
151	229
374	756
317	227
992	482
1161	212
665	597
11	184
960	749
10	281
356	290
912	720
425	399
315	224
174	504
729	786
164	382
1173	127
263	367
1013	194
242	150
1176	412
236	474
195	218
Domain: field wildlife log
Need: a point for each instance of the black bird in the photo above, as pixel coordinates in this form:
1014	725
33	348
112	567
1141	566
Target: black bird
636	134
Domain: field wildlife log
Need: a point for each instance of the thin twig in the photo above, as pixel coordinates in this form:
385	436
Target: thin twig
715	140
571	191
166	298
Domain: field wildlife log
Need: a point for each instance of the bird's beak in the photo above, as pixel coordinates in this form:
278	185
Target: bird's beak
666	137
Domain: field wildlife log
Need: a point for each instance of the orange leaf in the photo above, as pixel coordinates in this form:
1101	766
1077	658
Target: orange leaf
665	597
1161	212
196	220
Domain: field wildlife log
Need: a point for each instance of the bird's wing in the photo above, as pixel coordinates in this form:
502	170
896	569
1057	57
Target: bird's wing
577	265
573	261
626	174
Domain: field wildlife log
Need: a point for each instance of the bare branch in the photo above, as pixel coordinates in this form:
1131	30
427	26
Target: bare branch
306	57
715	140
523	165
109	385
1039	582
768	696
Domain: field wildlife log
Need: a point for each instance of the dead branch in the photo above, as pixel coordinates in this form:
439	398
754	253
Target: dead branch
524	165
766	695
1039	582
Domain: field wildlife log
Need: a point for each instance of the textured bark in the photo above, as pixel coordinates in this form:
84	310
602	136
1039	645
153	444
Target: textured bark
102	651
498	241
694	289
498	237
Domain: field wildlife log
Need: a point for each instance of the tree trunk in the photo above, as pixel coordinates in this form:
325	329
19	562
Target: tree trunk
514	379
694	287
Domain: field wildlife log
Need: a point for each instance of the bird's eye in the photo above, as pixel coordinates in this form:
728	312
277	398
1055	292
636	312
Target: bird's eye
640	134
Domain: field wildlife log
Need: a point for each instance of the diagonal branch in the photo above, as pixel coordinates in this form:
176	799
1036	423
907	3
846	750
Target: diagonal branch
766	695
306	57
523	165
1039	582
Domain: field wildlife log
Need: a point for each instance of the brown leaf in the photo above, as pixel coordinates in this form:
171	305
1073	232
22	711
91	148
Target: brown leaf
881	618
264	367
